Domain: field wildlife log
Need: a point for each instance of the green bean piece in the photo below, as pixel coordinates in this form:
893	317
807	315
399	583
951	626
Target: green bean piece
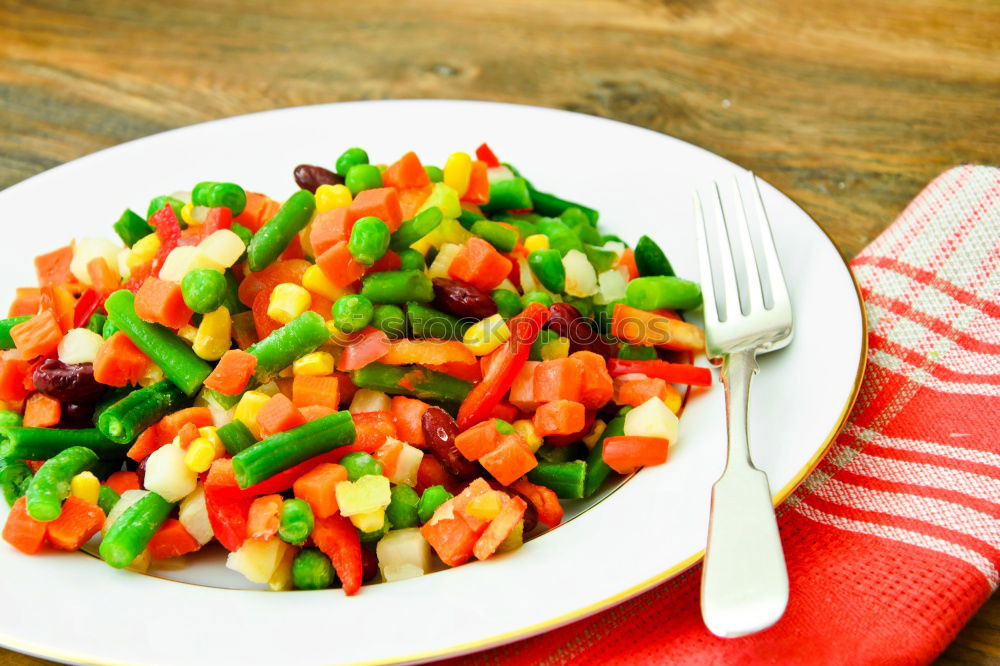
204	290
231	301
402	511
15	477
362	177
549	204
108	399
349	158
427	322
130	534
130	227
159	203
580	223
359	465
412	230
178	362
650	259
663	292
510	194
548	267
432	498
50	486
500	237
503	427
352	313
566	479
536	297
544	337
312	570
109	329
107	498
411	260
602	260
434	173
235	436
375	535
277	233
467	218
560	454
125	420
291	447
561	237
508	302
397	287
391	320
292	341
629	352
296	522
220	195
44	443
597	469
369	240
7	342
96	323
9	417
417	382
525	223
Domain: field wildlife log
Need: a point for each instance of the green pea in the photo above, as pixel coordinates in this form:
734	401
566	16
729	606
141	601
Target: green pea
349	158
297	522
508	303
432	498
9	417
96	323
578	221
548	267
220	195
369	240
159	203
359	465
245	234
204	290
629	352
312	570
536	297
434	173
402	509
362	177
663	292
504	428
601	259
411	260
561	237
391	320
375	535
352	313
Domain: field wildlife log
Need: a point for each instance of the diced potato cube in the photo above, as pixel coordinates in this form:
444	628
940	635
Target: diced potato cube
167	474
581	280
79	345
367	400
407	466
89	249
194	516
367	494
222	247
403	554
258	560
652	419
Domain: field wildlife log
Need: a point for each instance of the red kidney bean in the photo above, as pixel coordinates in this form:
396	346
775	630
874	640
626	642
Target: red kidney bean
369	564
76	415
440	431
309	177
567	321
140	472
463	300
72	382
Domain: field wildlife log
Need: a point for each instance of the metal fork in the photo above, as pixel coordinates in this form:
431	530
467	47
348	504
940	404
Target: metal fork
744	585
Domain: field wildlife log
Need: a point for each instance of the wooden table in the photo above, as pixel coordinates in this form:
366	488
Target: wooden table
848	106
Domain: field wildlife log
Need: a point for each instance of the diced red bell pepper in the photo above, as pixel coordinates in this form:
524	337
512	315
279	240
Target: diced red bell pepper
227	506
485	153
168	229
675	373
339	540
366	347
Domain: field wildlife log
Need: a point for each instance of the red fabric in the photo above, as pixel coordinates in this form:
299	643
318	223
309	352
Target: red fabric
893	543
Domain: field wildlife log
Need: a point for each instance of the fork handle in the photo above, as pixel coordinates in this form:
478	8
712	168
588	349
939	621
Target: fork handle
744	586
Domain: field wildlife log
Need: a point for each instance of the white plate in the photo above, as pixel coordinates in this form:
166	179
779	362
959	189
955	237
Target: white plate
75	608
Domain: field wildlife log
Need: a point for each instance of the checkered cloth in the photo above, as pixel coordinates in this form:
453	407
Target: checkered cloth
893	543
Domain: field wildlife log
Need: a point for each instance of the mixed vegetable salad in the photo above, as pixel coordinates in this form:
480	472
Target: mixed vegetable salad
396	366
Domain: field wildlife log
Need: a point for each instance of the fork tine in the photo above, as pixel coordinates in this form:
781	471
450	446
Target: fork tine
751	264
776	279
730	290
704	261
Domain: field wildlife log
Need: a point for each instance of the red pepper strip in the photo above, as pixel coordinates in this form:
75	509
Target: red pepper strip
284	480
524	328
169	231
227	508
217	218
675	373
88	304
339	540
485	154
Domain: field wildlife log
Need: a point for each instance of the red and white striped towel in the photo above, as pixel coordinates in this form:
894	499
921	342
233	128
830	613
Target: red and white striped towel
894	541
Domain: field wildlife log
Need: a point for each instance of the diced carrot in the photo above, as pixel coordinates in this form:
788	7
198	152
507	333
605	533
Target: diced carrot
596	387
470	373
560	417
577	435
339	267
478	191
41	411
258	210
449	535
278	415
648	328
119	361
269	278
26	302
347	389
388	455
428	352
146	443
318	488
39	336
405	173
478	440
313	412
409	414
510	460
172	540
170	425
187	434
161	302
264	517
559	379
309	390
122	481
623	454
522	391
61	303
53	267
545	501
500	527
329	228
367	346
475	488
102	278
410	200
382	202
22	531
78	521
233	372
628	261
480	265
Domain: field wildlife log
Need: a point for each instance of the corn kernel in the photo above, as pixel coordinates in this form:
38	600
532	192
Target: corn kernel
316	364
85	486
594	436
329	197
558	348
247	409
536	242
143	250
213	338
288	301
211	433
526	429
485	506
369	522
141	563
199	455
673	399
457	171
367	494
153	374
486	335
316	281
187	333
187	214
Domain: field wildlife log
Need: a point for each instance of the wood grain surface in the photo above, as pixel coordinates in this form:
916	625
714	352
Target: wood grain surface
848	106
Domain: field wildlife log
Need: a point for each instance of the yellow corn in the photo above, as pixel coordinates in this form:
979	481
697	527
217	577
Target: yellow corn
526	429
329	197
316	364
457	171
199	455
486	335
536	242
316	281
369	522
247	409
151	375
187	214
85	486
594	436
143	250
288	301
213	338
485	506
211	433
673	399
558	348
187	333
